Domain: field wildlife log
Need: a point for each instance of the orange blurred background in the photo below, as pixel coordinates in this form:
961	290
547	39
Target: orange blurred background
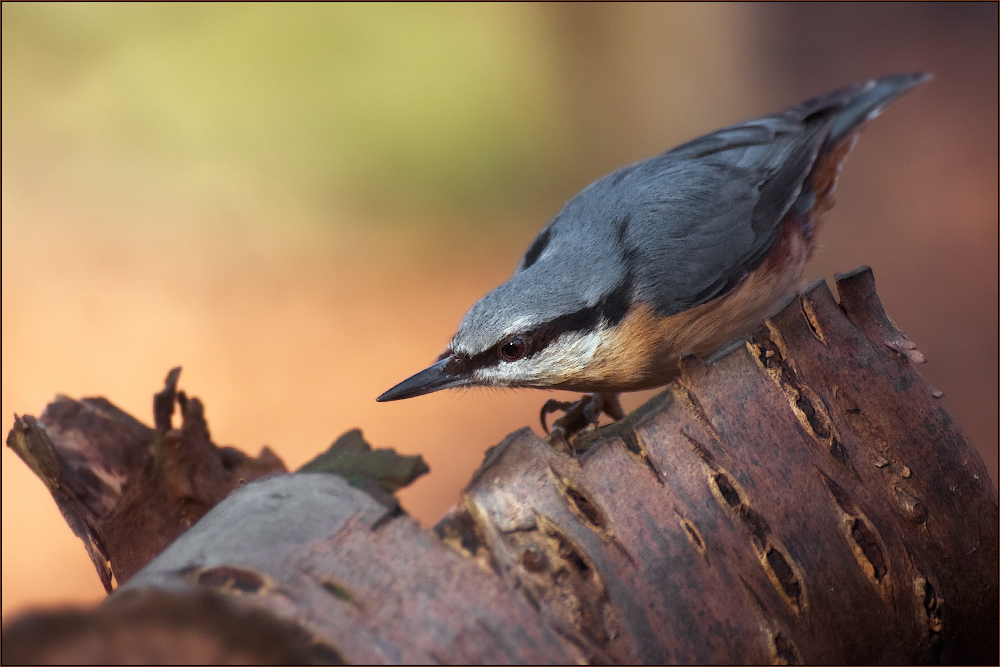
297	204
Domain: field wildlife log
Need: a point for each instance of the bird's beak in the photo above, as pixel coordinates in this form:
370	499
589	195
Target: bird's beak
426	381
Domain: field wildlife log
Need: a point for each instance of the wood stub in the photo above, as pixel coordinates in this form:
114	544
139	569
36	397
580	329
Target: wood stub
126	489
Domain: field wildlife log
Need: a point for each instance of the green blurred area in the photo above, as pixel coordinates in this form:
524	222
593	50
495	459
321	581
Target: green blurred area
393	108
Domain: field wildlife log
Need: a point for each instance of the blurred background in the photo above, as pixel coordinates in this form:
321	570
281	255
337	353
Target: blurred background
297	203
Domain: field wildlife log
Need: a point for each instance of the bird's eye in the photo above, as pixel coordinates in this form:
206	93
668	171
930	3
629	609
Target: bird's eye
513	349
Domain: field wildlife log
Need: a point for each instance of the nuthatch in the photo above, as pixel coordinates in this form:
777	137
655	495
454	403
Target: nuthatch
676	255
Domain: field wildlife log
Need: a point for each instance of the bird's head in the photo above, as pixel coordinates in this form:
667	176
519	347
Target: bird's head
556	322
539	329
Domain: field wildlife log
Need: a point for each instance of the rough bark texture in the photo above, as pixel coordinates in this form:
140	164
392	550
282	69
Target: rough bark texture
125	489
804	499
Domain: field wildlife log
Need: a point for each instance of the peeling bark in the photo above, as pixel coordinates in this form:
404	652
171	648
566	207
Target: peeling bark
125	489
805	498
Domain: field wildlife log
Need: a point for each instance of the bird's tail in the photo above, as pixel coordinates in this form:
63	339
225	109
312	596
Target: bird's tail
855	105
871	99
845	112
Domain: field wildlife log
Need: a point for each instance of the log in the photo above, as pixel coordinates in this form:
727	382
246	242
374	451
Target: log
804	498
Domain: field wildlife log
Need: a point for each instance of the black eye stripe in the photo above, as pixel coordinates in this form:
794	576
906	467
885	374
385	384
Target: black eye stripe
535	341
611	310
459	364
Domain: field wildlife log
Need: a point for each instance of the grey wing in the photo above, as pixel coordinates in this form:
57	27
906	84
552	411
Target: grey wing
710	211
715	204
685	227
679	229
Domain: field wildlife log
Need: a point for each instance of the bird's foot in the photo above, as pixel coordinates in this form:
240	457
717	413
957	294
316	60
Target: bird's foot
580	416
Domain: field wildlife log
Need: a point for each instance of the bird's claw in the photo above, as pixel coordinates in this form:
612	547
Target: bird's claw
583	415
552	405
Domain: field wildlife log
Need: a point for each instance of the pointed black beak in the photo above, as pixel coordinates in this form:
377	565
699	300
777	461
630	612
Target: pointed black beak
426	381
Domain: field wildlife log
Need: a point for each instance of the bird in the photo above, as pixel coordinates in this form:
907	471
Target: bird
676	255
